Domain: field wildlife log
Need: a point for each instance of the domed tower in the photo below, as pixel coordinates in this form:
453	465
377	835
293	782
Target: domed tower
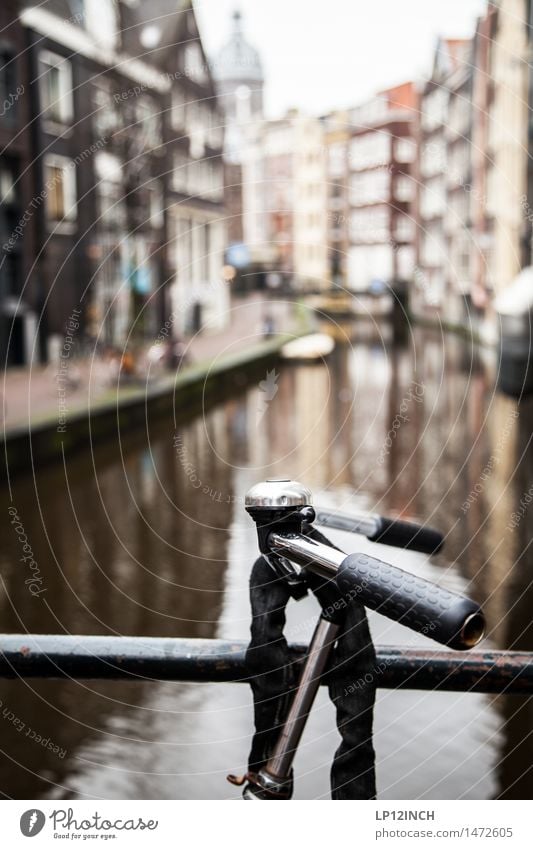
239	77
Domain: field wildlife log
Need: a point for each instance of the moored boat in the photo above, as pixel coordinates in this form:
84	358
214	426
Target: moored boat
315	346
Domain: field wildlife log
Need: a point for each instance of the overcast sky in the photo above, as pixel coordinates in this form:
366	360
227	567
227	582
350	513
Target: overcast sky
320	56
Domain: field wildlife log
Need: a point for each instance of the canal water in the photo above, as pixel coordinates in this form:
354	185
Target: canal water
150	537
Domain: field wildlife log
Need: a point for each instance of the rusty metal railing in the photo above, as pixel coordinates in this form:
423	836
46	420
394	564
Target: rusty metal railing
156	658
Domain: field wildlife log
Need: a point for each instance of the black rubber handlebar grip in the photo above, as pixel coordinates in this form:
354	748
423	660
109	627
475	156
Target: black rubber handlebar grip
444	616
406	535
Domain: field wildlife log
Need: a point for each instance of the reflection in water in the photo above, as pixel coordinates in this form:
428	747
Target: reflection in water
153	539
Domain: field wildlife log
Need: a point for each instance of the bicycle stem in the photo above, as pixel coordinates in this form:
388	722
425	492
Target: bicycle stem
274	781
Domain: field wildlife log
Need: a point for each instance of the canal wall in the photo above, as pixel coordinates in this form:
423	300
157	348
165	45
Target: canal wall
484	335
136	408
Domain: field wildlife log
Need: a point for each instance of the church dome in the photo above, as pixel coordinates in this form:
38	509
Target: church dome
238	60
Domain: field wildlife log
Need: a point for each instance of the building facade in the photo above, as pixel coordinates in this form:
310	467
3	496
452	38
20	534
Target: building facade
196	211
473	222
285	198
336	140
456	305
509	206
124	221
19	290
240	80
431	278
481	157
310	233
381	190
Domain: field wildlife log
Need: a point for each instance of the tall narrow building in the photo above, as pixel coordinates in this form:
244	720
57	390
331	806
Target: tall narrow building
239	78
19	290
122	222
438	143
381	190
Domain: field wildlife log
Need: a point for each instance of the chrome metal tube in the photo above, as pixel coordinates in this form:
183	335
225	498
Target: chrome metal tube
451	619
280	762
319	558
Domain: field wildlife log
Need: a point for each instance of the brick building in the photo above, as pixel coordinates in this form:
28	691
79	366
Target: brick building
125	221
460	200
19	292
436	142
381	190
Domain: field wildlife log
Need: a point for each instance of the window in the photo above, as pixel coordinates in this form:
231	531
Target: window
205	246
205	178
370	150
178	109
404	188
149	123
459	162
155	202
180	172
194	62
9	92
370	187
196	129
370	225
433	248
459	114
460	256
405	261
214	188
59	188
404	229
183	252
108	170
196	183
367	263
433	198
405	150
458	208
336	159
8	193
56	88
106	115
434	109
433	156
215	132
111	297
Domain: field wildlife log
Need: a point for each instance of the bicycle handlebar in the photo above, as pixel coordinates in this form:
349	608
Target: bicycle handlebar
381	529
282	509
445	616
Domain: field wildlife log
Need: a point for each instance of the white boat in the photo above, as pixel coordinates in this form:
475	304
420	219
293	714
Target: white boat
316	346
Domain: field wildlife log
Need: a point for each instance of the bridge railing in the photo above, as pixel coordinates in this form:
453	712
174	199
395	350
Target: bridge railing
177	659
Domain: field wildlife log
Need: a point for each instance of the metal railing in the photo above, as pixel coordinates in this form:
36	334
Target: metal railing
161	659
283	515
